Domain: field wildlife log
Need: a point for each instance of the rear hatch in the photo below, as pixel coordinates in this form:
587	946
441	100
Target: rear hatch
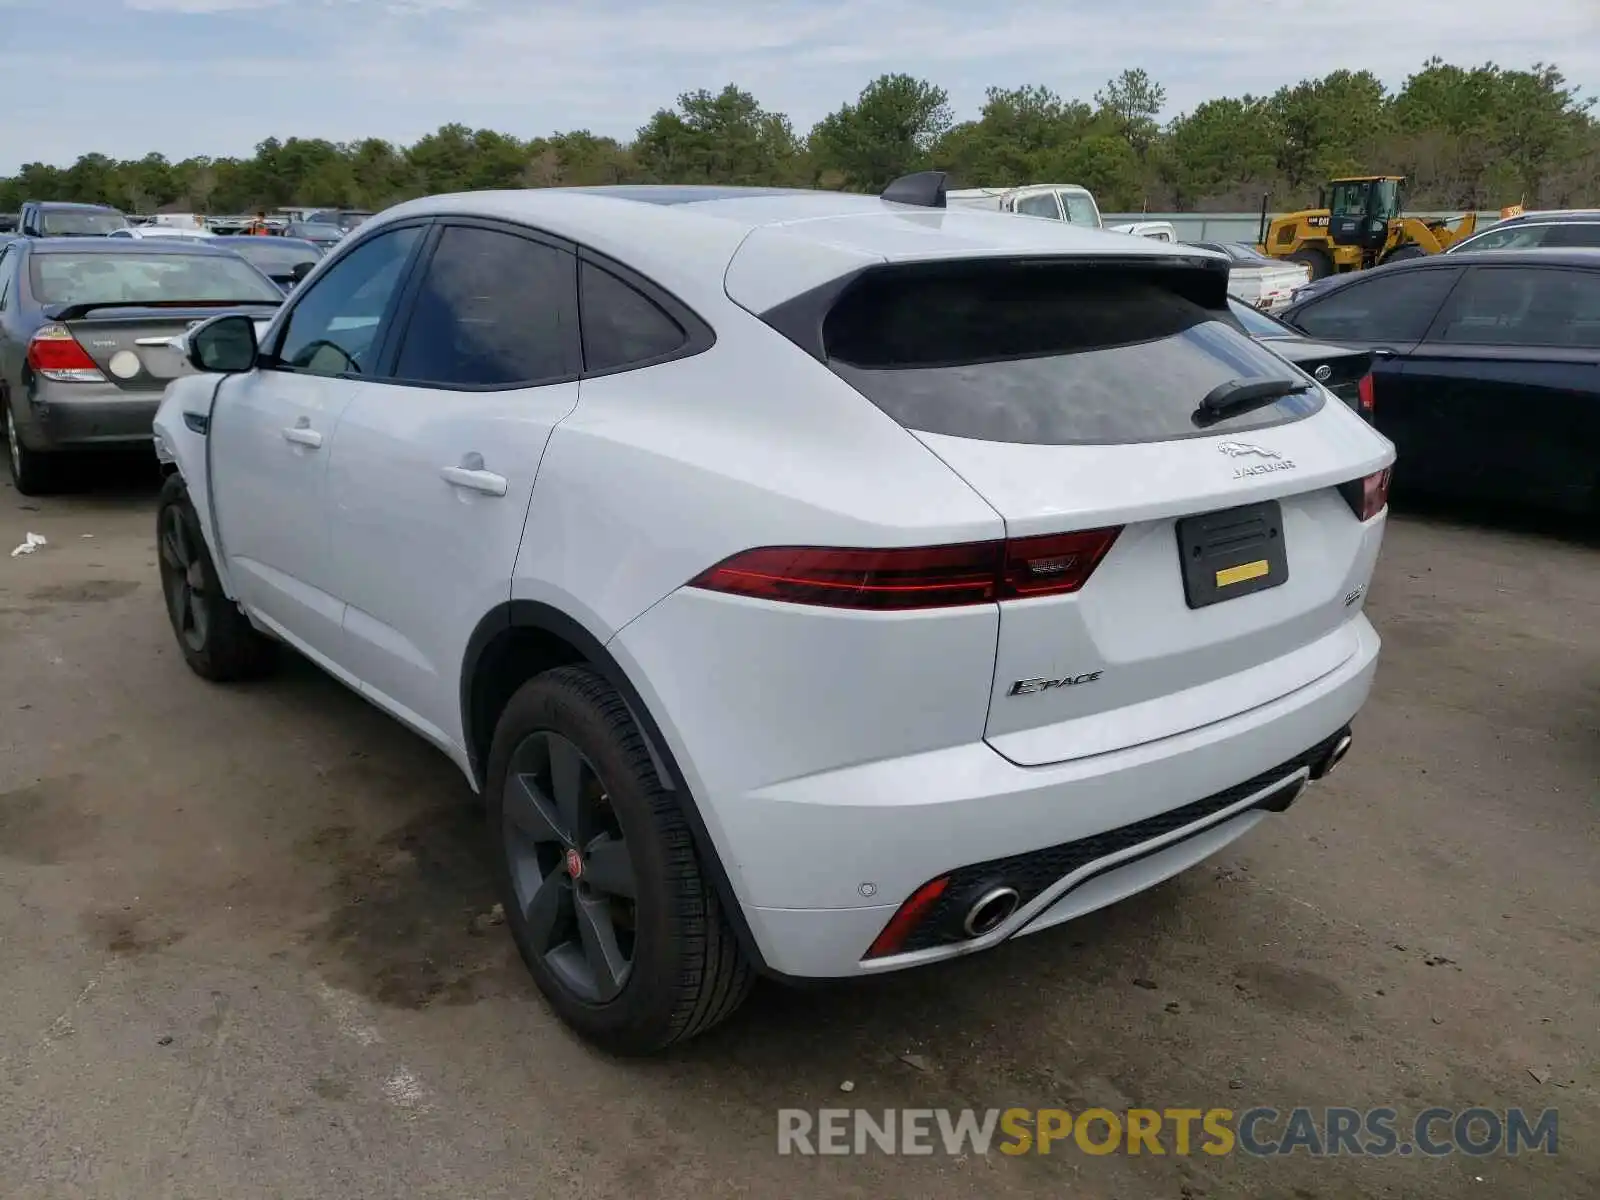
140	347
1072	394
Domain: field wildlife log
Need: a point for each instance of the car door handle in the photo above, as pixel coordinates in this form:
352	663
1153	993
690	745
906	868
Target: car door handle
301	436
486	482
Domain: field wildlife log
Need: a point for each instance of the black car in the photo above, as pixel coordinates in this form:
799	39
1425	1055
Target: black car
318	234
1561	229
1343	370
284	260
1486	372
57	218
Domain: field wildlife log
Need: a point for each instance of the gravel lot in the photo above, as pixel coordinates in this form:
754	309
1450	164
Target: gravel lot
245	947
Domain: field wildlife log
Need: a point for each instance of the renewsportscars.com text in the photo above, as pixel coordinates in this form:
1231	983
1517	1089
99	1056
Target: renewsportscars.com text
1261	1132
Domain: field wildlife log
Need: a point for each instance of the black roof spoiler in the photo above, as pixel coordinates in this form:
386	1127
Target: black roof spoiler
925	189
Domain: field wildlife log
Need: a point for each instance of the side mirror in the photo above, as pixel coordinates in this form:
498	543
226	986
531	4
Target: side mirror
224	344
301	270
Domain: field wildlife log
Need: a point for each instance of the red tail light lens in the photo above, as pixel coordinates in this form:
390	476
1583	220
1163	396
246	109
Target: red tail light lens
914	577
1365	392
1369	496
906	918
1055	563
55	354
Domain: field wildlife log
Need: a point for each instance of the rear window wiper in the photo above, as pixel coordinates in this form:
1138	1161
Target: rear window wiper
1241	395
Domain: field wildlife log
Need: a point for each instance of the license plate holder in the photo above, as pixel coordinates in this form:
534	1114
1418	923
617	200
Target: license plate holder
1232	552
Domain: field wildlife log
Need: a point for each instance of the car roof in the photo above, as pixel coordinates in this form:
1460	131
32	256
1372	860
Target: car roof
76	204
760	246
1551	216
110	245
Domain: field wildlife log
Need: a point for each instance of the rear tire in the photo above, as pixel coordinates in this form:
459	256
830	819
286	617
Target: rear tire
1319	262
216	638
33	472
567	858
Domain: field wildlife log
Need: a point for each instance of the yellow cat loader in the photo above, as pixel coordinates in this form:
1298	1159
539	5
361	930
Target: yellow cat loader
1361	226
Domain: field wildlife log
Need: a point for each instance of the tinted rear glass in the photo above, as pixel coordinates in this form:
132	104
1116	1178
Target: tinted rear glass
273	255
1047	354
68	222
135	278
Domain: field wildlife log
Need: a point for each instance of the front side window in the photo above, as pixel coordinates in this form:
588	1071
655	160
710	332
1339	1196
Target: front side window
1396	307
1348	200
1041	205
1524	306
135	277
1581	234
1512	237
621	325
338	322
494	310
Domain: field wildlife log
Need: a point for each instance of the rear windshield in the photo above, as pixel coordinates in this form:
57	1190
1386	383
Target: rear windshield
146	279
273	256
1050	355
79	222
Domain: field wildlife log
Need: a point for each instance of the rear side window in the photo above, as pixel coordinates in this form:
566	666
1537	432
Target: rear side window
1524	306
1047	354
1395	307
1579	233
494	310
622	327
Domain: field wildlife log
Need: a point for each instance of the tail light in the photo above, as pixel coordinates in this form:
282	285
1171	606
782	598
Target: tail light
914	577
1364	392
55	354
1369	496
906	918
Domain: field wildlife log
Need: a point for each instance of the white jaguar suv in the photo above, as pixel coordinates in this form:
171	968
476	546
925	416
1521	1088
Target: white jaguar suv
812	584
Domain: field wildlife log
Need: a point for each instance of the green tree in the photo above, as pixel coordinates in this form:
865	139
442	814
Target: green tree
886	133
721	137
1134	101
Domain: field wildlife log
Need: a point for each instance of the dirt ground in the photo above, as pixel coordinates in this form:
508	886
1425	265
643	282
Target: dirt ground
245	947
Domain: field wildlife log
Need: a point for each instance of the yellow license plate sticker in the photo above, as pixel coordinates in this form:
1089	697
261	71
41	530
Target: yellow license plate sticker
1244	571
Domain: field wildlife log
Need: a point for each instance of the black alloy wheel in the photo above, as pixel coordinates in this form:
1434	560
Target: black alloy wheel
571	870
183	580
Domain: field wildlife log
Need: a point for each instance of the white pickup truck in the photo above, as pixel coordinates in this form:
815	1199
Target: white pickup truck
1259	281
1054	201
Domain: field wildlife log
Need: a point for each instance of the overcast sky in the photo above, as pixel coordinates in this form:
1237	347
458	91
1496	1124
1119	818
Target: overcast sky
214	77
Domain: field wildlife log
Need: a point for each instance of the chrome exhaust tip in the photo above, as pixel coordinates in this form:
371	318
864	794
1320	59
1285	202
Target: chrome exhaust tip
991	911
1335	757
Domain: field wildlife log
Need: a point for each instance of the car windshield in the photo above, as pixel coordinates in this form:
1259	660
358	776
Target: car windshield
1240	252
1080	209
134	278
1256	323
80	222
273	256
309	230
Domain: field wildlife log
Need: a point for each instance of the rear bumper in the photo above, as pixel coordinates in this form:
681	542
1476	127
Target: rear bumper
878	831
63	416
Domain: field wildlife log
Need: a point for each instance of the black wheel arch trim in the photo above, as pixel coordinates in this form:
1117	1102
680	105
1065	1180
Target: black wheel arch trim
533	614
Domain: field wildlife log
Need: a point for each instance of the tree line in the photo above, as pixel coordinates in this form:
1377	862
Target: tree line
1466	137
